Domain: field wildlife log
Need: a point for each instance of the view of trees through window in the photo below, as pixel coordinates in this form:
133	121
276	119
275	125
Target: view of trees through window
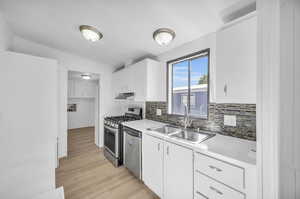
189	79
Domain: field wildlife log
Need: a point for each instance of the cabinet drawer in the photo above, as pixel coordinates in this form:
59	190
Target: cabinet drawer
226	173
207	188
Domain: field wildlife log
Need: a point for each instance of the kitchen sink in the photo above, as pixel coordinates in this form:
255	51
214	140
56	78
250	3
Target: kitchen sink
186	135
191	136
166	129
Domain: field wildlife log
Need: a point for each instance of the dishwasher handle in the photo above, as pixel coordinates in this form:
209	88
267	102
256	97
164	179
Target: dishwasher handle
132	132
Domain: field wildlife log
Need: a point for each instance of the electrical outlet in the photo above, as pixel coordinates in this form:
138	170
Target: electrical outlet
158	112
230	120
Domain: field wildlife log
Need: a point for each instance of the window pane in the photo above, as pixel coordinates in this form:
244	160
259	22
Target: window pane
180	87
199	85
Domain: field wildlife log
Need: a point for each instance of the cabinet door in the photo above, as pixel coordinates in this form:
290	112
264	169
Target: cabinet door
139	76
121	81
156	75
236	63
178	172
71	88
116	83
153	163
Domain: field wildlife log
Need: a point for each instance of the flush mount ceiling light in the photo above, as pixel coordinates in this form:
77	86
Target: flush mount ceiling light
85	76
90	33
163	36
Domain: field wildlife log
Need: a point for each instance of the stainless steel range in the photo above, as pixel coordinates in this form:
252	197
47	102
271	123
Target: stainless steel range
113	135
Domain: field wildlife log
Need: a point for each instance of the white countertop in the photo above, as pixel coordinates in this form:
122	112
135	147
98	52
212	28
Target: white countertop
143	125
231	149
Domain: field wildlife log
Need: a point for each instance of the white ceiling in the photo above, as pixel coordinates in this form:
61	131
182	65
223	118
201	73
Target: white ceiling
127	25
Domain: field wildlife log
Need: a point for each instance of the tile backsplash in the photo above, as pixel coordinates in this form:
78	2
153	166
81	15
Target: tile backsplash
245	118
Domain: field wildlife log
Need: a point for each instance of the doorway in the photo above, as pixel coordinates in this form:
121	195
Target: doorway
83	104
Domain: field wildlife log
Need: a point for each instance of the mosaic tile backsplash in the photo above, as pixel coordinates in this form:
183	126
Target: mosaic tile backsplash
245	118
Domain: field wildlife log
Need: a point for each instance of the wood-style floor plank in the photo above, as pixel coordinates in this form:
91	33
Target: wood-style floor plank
86	174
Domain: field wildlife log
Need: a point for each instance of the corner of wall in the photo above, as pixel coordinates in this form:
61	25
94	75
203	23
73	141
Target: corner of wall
6	35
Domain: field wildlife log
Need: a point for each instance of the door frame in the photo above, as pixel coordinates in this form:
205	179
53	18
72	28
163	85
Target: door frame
62	108
96	104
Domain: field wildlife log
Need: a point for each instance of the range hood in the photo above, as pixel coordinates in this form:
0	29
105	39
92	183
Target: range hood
125	95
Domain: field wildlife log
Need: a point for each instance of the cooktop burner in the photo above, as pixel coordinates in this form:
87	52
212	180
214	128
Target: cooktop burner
114	121
122	118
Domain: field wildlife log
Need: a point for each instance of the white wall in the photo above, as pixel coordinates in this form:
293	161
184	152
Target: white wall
86	107
69	62
5	34
84	115
208	41
28	125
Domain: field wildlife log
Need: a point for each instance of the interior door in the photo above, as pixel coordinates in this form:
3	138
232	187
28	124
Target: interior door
178	172
153	158
28	125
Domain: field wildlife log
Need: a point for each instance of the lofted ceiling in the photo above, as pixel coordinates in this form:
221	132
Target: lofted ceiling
127	25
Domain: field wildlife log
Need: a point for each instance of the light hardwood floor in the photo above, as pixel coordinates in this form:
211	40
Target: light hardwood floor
86	174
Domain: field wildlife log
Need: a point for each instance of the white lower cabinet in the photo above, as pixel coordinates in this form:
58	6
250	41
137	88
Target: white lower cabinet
218	179
178	172
208	188
167	168
175	172
220	171
153	163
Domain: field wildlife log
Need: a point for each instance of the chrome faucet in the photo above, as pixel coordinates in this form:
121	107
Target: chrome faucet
187	121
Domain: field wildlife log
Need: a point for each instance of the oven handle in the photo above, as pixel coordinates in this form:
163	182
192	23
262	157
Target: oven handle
111	129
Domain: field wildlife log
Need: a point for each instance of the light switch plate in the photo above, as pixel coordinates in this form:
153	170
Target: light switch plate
230	120
158	112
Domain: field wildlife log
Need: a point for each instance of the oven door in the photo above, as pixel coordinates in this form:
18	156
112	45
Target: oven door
111	143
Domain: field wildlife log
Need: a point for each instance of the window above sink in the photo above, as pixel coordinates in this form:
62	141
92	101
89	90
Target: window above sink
188	84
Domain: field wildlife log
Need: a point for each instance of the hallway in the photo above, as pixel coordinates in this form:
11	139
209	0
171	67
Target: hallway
86	174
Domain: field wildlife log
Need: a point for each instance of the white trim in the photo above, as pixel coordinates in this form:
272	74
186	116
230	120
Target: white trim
268	87
189	58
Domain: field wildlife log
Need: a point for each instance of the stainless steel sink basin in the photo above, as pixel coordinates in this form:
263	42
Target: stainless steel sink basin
186	135
166	129
191	136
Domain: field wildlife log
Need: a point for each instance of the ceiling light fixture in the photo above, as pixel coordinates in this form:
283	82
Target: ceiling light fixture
90	33
163	36
85	76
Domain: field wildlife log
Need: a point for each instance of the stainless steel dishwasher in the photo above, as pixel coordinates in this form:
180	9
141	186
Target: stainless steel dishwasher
133	151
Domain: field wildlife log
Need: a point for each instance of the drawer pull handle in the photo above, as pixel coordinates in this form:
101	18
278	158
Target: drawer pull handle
202	195
167	150
158	146
216	190
215	168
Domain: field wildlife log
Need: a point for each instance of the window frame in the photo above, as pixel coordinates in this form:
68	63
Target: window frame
205	52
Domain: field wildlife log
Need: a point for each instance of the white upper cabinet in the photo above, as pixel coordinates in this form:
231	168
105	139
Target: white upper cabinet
236	62
81	89
120	83
153	157
143	78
